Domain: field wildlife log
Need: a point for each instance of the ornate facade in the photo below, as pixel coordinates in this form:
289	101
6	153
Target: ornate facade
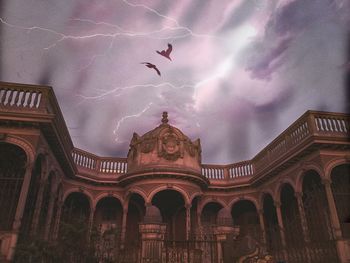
290	201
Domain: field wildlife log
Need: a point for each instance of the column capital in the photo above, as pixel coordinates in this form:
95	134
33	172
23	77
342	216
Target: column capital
326	181
188	206
298	195
261	211
277	204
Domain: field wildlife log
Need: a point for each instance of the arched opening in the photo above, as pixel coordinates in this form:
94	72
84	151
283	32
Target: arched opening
12	169
315	207
75	210
108	214
209	216
340	177
136	212
273	238
106	232
172	207
244	215
291	217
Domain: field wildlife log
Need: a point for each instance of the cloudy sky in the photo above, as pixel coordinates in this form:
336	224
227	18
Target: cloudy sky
241	72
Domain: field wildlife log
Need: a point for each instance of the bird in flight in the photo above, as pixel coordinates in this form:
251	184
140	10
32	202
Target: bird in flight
166	53
149	65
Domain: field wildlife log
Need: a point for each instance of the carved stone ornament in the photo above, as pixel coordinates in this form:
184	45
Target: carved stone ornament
170	148
190	148
148	145
132	154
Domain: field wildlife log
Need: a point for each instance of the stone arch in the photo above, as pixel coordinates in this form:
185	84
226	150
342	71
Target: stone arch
261	197
183	193
103	195
211	200
240	198
209	212
13	163
78	190
329	167
194	195
108	213
169	202
26	146
302	172
244	213
134	190
280	185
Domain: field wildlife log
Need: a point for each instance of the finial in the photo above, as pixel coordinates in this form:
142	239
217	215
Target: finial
165	118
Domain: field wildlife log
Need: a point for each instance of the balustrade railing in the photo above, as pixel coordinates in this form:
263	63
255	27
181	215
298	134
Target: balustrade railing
331	123
99	165
240	169
113	165
40	99
215	172
23	97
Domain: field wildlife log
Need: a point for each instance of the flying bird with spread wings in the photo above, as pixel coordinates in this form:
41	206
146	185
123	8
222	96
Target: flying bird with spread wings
149	65
166	53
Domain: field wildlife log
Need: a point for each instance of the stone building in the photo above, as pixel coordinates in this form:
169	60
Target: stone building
291	200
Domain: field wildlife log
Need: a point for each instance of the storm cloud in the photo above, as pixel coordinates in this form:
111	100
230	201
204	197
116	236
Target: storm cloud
242	71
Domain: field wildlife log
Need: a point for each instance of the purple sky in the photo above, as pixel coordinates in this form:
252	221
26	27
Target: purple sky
242	70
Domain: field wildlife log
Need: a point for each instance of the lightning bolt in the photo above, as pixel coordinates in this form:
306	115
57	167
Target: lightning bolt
128	117
178	26
179	32
107	93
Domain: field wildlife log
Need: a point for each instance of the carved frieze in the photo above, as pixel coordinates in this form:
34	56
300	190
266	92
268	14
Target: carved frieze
147	145
170	146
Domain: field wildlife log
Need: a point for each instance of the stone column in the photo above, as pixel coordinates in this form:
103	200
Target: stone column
38	204
262	226
56	226
91	219
48	222
199	223
342	246
280	222
123	230
188	220
19	210
152	237
332	209
221	232
298	196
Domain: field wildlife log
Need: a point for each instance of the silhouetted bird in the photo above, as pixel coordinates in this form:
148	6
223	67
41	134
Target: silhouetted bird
147	64
167	52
